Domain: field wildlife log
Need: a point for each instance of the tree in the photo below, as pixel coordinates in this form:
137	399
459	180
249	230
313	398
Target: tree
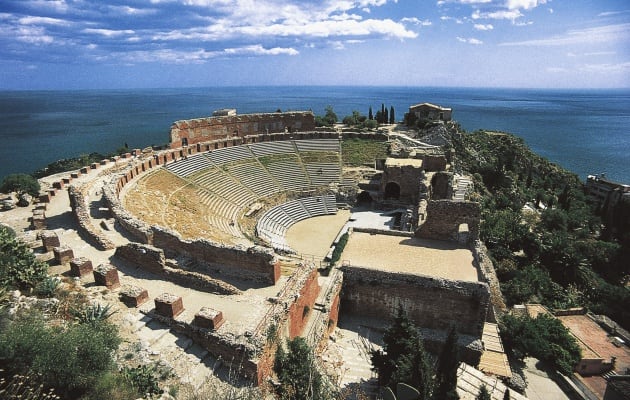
448	363
403	358
544	338
370	115
385	116
392	118
506	395
330	117
297	372
483	393
21	183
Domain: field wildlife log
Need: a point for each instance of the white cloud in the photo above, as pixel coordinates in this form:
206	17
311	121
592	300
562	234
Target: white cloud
470	40
448	18
108	32
606	68
594	35
483	27
501	14
416	21
524	4
258	50
30	20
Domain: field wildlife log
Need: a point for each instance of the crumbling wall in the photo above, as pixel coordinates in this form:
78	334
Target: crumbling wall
443	218
303	305
484	264
152	259
81	211
193	131
432	303
256	262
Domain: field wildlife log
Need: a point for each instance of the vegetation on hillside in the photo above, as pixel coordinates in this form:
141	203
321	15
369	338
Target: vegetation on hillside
555	254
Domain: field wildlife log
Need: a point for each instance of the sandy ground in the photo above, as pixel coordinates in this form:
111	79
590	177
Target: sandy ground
410	255
314	236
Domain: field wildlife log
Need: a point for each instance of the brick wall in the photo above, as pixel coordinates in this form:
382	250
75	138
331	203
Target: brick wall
201	130
431	303
445	216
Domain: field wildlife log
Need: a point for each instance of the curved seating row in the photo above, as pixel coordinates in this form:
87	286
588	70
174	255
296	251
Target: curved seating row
273	225
231	178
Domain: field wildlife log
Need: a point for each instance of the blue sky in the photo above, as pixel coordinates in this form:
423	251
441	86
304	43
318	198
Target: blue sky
56	44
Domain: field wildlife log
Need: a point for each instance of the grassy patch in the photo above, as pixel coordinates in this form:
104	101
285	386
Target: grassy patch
359	152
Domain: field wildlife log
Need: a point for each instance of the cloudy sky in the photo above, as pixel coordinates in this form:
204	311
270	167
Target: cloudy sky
53	44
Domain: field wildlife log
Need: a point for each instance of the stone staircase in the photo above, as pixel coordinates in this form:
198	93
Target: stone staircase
189	362
461	186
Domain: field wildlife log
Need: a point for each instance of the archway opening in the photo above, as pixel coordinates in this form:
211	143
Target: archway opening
392	191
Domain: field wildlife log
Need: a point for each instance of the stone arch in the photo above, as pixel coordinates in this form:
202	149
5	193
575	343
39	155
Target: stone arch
364	198
392	191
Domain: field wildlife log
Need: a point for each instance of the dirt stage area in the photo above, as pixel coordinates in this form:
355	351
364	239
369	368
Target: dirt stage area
443	259
314	236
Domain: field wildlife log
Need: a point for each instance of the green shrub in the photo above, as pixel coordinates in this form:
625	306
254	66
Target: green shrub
48	286
18	265
93	313
144	378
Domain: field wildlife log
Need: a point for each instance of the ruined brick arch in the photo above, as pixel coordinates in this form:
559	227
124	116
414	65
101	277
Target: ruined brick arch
364	198
392	191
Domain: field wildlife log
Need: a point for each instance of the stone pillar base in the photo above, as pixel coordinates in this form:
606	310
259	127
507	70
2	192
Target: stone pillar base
169	305
209	318
106	275
134	296
63	254
80	266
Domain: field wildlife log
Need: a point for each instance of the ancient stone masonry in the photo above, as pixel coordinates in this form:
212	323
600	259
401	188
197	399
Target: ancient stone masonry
106	275
81	211
152	259
193	131
432	303
253	263
444	218
484	263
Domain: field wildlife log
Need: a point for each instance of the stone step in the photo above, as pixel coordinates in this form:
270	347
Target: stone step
152	332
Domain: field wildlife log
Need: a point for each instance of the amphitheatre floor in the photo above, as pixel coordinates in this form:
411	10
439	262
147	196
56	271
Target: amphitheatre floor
437	258
314	236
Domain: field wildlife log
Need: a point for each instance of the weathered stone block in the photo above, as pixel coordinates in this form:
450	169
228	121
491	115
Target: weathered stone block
38	222
66	180
104	161
58	185
63	254
134	296
84	170
94	165
50	240
208	318
75	175
44	197
169	305
80	266
106	275
52	192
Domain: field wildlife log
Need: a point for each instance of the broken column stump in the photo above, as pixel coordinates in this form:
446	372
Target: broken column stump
133	296
80	266
169	305
38	221
209	318
106	275
50	240
63	254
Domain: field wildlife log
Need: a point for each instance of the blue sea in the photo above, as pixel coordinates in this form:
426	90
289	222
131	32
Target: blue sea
585	131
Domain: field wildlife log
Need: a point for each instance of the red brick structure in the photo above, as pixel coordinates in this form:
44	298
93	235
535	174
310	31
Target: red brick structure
169	305
303	305
63	254
81	266
106	275
209	318
134	296
192	131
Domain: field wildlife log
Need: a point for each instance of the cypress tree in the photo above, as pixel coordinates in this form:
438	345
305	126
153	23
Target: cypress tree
370	114
382	121
483	393
392	118
506	395
385	117
446	376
